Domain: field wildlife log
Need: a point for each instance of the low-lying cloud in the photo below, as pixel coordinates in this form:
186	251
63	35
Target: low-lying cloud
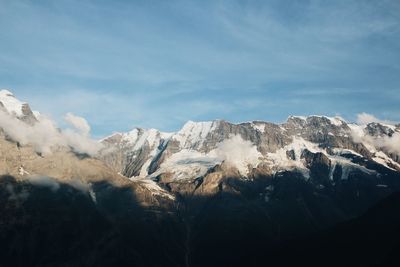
44	134
238	152
54	185
45	181
15	194
390	144
79	123
365	118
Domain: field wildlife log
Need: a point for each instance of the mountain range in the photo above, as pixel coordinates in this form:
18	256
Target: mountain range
212	193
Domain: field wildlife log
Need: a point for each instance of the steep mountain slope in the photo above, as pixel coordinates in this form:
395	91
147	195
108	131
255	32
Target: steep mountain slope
212	194
53	223
263	183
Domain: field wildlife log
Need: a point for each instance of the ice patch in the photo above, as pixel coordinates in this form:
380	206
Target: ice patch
259	126
342	151
190	164
280	161
187	164
332	170
383	159
92	194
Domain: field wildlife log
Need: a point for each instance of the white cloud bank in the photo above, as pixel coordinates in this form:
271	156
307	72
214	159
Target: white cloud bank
79	137
238	152
390	144
44	134
78	123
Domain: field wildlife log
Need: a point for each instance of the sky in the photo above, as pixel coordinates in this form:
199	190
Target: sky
156	64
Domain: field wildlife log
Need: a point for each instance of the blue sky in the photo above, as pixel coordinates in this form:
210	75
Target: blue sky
122	64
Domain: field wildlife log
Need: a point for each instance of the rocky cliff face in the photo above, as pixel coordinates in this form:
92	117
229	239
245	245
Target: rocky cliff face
313	146
315	171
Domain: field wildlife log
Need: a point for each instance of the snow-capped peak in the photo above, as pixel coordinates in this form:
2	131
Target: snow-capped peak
198	128
137	137
14	106
10	103
5	92
194	132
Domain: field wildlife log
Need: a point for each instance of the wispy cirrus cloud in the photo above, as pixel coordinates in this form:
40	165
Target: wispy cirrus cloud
125	63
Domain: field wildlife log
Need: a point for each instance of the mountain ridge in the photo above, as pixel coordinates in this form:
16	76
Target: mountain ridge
190	139
243	150
227	191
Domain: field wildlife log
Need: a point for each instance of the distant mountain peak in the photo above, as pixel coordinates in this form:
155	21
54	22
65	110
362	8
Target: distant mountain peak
5	92
14	106
11	103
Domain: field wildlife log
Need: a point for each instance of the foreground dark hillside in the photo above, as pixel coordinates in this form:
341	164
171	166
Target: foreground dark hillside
372	239
50	225
43	226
